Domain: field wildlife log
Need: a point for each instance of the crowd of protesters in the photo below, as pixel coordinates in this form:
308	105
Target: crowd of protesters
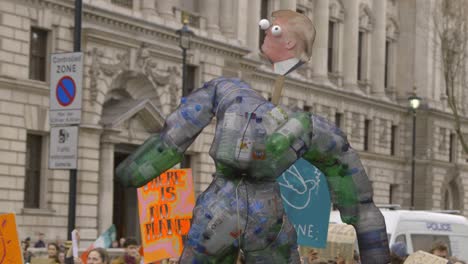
61	253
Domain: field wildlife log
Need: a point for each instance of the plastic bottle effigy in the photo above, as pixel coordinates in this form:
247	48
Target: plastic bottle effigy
286	135
230	134
147	162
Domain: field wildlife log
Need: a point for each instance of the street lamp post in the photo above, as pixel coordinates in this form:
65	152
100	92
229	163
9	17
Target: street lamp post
185	37
414	102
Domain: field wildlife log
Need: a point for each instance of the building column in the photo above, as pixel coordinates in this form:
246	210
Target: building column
226	21
164	8
320	50
289	4
210	10
148	7
378	47
351	32
253	31
106	186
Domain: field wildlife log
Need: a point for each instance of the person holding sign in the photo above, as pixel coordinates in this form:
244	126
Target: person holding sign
254	142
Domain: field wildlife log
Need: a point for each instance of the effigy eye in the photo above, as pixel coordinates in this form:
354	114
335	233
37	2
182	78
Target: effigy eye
264	24
276	31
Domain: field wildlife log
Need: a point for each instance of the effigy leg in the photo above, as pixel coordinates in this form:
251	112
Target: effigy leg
213	236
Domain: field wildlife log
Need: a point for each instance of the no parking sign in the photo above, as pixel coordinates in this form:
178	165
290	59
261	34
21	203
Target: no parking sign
66	74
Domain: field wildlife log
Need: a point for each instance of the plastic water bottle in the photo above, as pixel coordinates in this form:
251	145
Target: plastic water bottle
259	148
285	136
230	132
274	119
147	162
244	146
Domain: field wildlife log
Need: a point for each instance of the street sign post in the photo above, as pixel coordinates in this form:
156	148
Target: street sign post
66	74
63	147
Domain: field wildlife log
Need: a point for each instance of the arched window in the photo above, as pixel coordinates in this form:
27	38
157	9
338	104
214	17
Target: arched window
451	196
390	54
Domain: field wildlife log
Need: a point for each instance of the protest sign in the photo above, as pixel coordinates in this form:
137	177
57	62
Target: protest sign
306	200
10	248
165	207
421	257
341	242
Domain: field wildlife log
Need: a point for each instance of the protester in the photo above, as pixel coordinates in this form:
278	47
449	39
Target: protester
439	249
131	255
61	257
356	257
52	252
98	256
176	261
122	242
398	253
115	244
26	254
454	260
311	255
40	241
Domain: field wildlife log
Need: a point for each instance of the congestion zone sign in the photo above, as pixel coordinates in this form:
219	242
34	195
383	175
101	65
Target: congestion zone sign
66	74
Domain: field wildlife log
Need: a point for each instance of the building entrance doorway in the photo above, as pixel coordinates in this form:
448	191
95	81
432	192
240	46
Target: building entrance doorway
125	205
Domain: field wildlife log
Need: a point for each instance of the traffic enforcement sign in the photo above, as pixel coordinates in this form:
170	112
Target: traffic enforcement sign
66	74
63	147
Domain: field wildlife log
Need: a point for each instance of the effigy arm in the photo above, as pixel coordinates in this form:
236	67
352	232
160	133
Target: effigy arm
350	188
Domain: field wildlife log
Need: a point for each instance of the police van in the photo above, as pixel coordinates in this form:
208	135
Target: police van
420	229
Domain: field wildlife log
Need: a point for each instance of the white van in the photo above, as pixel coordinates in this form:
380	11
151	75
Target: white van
420	229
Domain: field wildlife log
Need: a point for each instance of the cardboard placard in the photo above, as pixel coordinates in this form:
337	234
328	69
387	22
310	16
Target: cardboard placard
165	207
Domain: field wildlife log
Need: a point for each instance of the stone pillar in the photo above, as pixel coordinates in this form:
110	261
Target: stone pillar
164	8
148	7
288	4
320	51
106	186
351	32
210	10
378	47
226	21
253	31
242	24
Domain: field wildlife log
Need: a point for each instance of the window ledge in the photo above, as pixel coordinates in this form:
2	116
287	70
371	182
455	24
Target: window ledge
38	211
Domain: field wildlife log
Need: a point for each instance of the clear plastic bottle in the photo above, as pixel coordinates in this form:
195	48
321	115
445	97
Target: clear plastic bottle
274	119
285	136
193	113
230	133
259	147
244	145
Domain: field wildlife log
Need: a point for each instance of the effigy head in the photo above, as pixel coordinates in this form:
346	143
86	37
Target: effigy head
288	35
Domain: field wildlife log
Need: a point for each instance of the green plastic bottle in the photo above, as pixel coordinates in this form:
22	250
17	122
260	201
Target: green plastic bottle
284	137
147	162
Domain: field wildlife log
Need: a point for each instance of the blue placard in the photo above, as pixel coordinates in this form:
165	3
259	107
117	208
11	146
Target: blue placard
306	199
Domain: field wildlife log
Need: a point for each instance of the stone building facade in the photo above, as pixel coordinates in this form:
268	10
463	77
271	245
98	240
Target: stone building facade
369	54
